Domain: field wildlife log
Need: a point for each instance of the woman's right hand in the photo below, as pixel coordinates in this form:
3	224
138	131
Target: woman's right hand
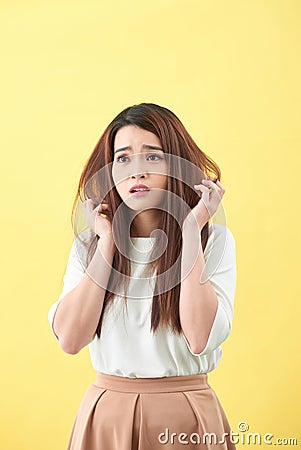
102	226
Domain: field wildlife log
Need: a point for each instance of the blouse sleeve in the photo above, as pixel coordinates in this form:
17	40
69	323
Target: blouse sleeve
73	274
220	265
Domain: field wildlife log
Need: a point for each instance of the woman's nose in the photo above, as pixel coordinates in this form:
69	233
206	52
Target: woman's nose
138	166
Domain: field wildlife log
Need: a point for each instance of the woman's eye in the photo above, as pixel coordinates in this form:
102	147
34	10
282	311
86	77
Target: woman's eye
118	159
157	156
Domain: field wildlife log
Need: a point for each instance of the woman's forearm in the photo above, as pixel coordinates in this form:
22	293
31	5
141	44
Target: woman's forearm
198	302
78	313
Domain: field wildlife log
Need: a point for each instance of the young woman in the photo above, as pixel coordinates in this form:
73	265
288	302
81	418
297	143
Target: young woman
147	196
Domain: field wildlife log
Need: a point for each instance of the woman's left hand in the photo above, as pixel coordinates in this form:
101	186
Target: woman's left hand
208	203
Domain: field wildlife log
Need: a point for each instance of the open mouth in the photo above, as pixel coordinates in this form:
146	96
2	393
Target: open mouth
139	192
138	189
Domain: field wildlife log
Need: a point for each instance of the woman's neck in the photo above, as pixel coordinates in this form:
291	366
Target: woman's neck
145	223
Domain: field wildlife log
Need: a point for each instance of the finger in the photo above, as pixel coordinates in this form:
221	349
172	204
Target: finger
219	190
105	206
102	206
205	189
202	188
220	185
98	209
217	182
211	184
205	192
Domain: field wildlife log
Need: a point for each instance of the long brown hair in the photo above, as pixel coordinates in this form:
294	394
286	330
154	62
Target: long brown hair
176	141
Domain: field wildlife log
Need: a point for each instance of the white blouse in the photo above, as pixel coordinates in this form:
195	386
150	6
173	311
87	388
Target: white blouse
126	346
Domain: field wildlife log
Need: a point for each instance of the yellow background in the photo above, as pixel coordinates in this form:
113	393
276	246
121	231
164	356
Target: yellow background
231	71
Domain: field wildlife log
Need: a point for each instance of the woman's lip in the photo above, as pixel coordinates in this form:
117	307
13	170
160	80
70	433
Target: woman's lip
139	193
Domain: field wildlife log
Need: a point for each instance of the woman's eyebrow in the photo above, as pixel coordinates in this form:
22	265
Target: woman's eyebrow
150	147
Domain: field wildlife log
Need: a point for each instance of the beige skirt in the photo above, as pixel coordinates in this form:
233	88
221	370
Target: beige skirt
120	413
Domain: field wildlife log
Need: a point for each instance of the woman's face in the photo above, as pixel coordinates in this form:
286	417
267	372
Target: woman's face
143	161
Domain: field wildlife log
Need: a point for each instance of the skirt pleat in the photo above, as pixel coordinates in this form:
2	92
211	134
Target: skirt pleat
120	413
